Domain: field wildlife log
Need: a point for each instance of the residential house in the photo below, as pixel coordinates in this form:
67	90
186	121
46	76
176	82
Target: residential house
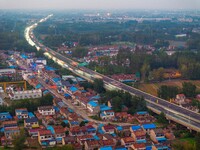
69	140
135	128
59	134
140	146
93	107
77	131
73	123
109	142
91	145
46	110
5	116
45	138
108	129
83	138
31	123
106	148
157	135
139	136
16	95
11	132
34	132
148	127
127	141
21	113
91	130
107	115
9	124
180	99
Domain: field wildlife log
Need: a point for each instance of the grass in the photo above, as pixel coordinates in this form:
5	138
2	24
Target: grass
189	140
153	87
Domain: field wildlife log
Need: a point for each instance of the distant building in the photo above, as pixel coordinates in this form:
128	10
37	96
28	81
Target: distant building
7	72
16	95
46	110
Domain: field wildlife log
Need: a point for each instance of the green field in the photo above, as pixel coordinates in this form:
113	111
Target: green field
153	87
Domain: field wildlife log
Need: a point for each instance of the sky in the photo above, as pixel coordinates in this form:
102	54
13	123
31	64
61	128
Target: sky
100	4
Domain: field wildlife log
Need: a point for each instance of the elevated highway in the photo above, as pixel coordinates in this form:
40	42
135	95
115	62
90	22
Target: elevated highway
173	112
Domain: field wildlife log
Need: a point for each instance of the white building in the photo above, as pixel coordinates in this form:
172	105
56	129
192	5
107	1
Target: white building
15	95
41	60
46	110
7	71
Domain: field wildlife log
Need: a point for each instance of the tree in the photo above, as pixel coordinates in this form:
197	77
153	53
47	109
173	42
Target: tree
19	140
167	92
99	86
189	89
80	52
162	118
197	139
82	123
117	104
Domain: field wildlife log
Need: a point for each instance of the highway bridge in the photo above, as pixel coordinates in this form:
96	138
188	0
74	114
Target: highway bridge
173	112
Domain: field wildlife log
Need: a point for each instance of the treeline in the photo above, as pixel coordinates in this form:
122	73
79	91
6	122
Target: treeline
101	33
31	104
119	99
151	66
168	92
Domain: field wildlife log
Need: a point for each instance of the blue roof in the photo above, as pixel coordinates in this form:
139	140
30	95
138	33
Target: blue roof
142	112
56	108
128	80
48	68
61	104
119	128
141	141
93	104
73	88
161	139
6	115
80	79
96	137
149	126
104	108
51	129
74	122
70	110
66	121
31	115
30	120
121	148
24	56
2	130
56	79
38	86
95	97
106	148
67	95
46	91
135	127
148	147
12	67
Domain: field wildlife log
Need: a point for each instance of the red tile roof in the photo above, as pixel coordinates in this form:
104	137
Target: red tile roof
45	132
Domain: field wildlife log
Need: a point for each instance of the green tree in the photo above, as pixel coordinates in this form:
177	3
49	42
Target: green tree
98	85
117	104
19	140
79	52
189	89
197	139
162	118
167	92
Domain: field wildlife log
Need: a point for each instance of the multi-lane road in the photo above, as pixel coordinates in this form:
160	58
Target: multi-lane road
173	112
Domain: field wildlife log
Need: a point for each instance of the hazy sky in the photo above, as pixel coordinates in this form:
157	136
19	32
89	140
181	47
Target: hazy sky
101	4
